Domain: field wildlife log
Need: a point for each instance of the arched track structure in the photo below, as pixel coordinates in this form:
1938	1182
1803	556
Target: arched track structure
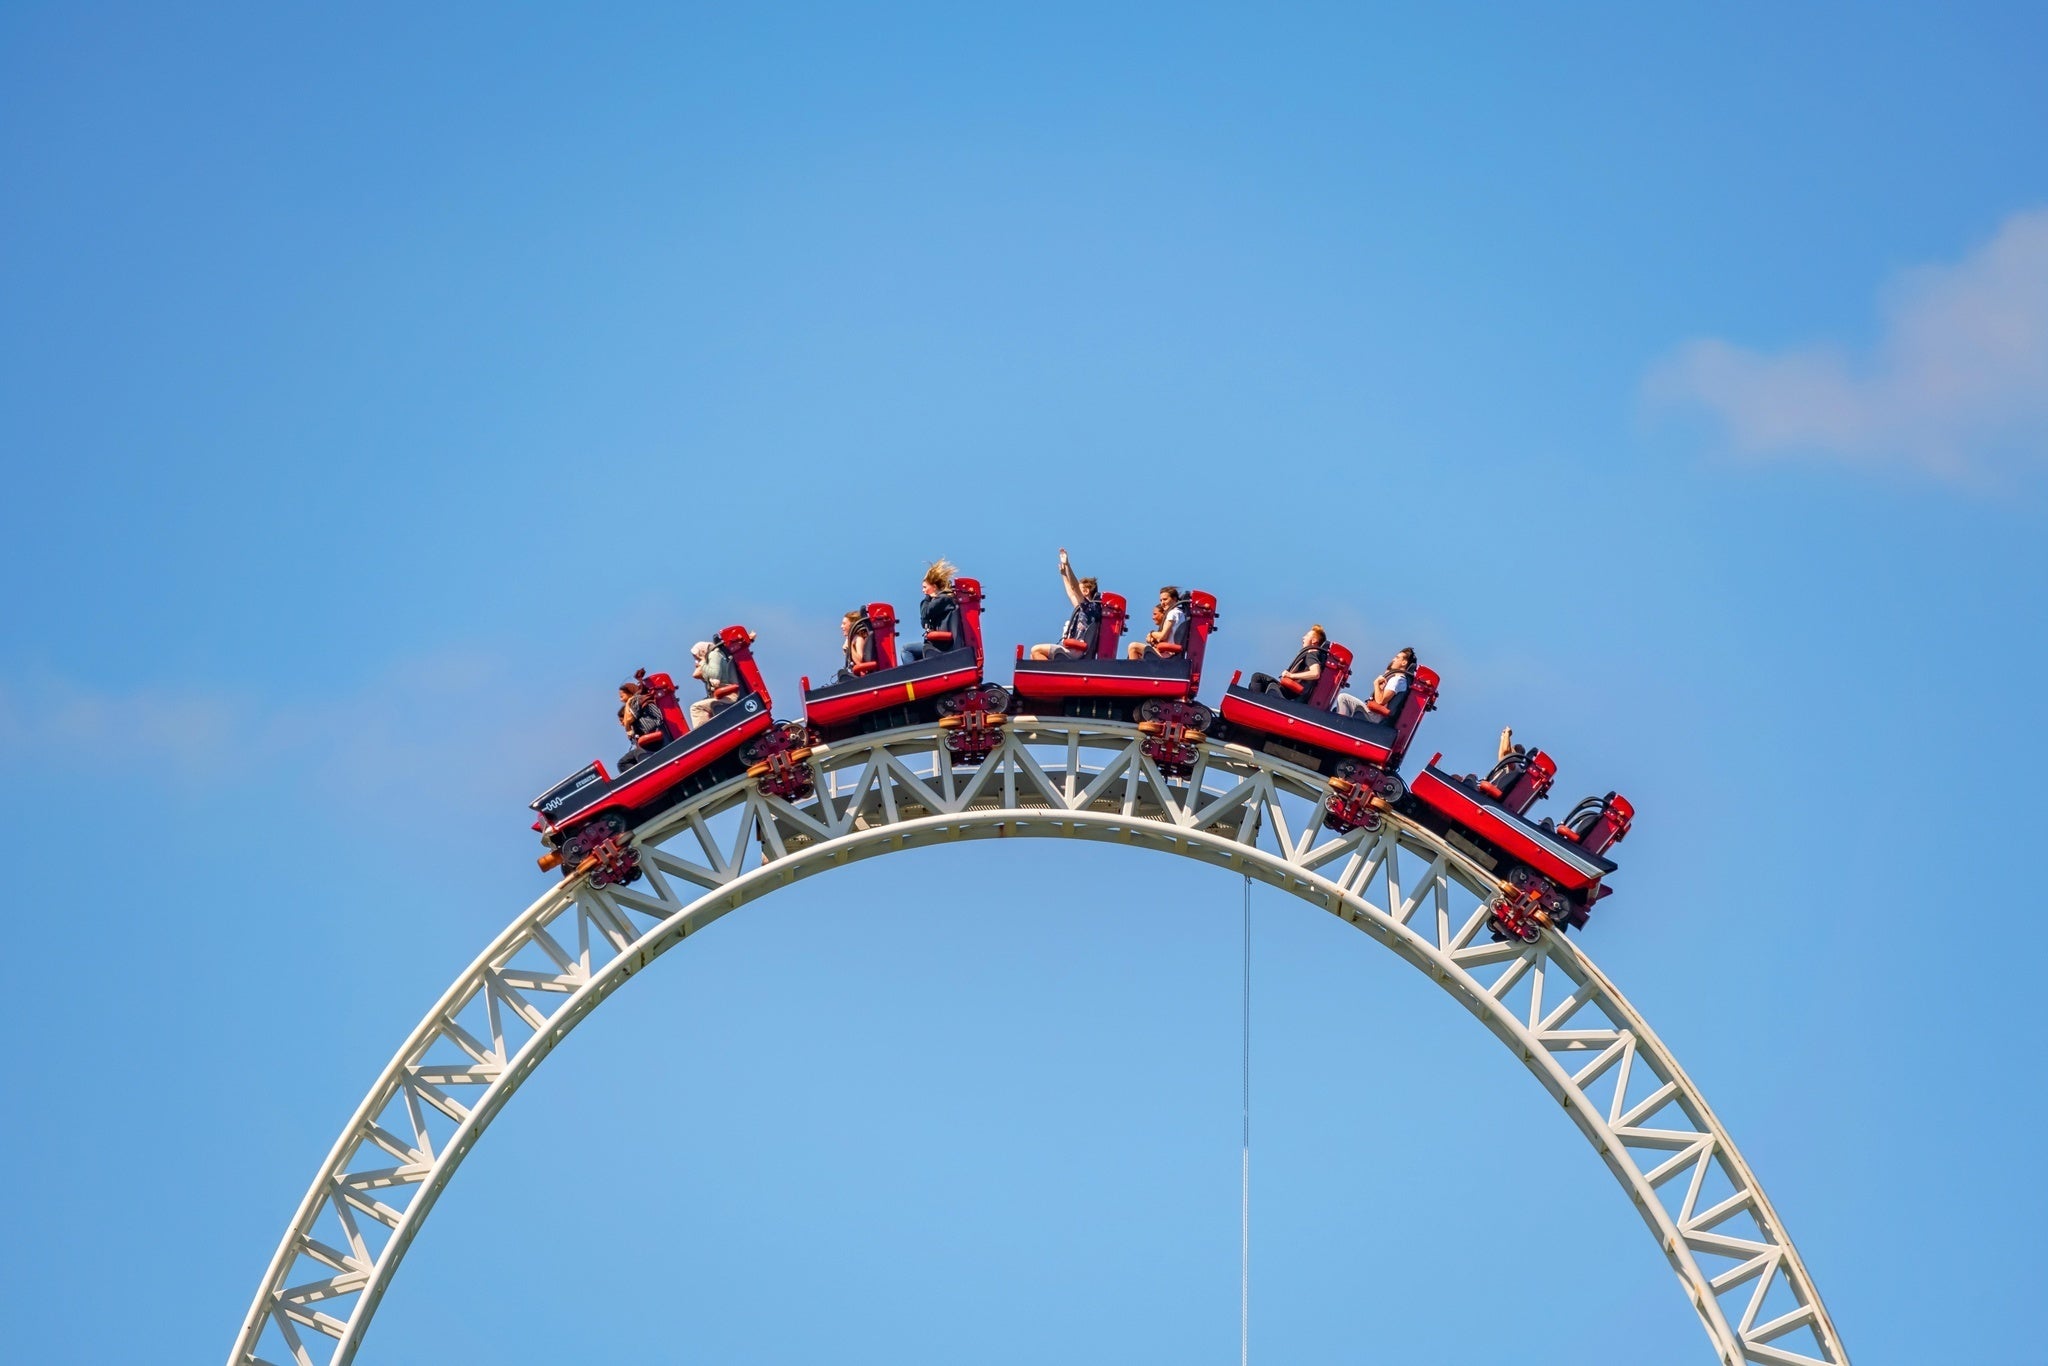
1052	777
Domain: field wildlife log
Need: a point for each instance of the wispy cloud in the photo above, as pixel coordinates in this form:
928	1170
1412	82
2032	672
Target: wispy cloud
473	726
1956	385
192	737
468	728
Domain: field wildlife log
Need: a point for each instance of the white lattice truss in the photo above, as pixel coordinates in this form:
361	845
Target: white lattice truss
1053	776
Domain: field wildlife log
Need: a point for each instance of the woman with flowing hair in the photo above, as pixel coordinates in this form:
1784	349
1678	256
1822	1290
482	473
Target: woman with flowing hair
938	615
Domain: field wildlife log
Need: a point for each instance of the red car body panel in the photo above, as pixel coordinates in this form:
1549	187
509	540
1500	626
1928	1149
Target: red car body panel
1045	686
886	692
894	684
1555	858
681	758
1104	675
651	779
1253	712
1324	729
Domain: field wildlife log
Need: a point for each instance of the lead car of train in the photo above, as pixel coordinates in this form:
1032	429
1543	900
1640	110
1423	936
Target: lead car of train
1548	874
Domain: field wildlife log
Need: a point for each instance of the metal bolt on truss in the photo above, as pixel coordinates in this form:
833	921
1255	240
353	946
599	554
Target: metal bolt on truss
1052	777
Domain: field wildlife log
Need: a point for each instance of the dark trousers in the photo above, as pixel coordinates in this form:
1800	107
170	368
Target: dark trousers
1266	683
635	755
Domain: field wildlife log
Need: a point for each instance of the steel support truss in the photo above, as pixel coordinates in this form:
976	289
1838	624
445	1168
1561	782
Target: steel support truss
1053	776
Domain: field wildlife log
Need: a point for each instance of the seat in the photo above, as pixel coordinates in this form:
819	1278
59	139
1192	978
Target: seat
967	601
1391	712
1336	672
1421	695
1531	783
882	623
1201	609
1114	612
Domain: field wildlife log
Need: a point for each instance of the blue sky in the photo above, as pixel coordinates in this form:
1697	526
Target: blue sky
375	390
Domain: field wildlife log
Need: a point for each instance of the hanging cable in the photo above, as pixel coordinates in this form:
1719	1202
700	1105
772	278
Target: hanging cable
1244	1249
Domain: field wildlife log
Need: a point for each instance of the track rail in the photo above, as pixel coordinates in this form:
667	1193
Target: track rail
1062	778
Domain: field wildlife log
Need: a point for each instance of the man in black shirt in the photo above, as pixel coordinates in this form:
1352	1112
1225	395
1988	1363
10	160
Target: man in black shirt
1304	671
1084	624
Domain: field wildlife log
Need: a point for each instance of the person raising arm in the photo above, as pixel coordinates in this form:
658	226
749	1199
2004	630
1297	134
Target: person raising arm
1080	632
1508	770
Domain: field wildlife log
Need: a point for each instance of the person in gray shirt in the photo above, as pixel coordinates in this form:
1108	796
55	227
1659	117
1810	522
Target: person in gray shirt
715	668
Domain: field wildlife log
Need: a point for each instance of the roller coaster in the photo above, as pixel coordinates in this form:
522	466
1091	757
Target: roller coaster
1548	875
1444	870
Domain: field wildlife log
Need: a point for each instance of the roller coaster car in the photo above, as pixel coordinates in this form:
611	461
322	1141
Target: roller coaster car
1159	694
884	692
1360	754
1549	874
585	819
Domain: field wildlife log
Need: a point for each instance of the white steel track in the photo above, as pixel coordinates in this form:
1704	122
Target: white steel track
1052	777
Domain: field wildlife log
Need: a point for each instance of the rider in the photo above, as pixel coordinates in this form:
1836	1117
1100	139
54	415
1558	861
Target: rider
1513	762
938	612
1169	630
1305	670
641	719
858	637
714	667
1084	624
1387	690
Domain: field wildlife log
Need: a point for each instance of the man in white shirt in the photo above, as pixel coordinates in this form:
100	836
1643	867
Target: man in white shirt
1387	690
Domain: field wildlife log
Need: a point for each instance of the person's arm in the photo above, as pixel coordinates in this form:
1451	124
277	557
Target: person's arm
1067	579
1507	741
1307	675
